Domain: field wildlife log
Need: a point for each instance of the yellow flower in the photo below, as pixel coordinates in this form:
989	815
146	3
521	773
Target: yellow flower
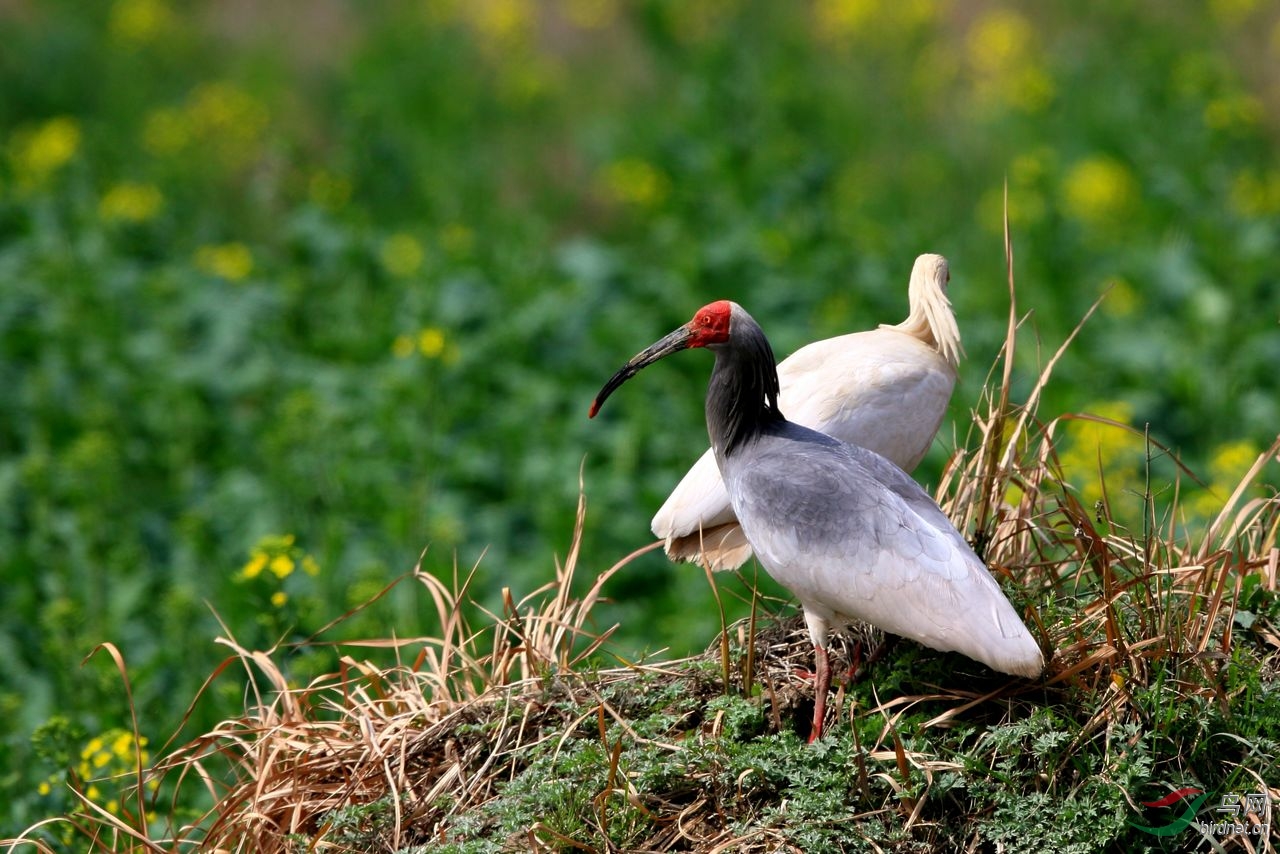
93	793
222	109
254	567
839	22
281	566
230	261
501	22
403	346
1232	460
101	758
138	21
94	745
130	202
122	746
1099	191
1003	52
431	342
1116	410
635	182
1229	463
218	117
837	19
1093	445
279	598
41	151
309	566
402	254
44	788
1000	40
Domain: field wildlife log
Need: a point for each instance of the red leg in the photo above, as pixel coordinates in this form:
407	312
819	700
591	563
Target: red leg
821	685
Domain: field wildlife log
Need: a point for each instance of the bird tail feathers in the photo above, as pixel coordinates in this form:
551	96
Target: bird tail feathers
721	548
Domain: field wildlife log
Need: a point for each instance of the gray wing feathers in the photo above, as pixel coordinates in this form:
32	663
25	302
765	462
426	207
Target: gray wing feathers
856	538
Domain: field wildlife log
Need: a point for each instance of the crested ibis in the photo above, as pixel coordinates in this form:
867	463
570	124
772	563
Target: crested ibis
884	389
841	527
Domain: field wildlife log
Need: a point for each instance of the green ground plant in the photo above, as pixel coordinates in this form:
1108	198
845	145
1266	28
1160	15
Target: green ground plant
349	278
507	734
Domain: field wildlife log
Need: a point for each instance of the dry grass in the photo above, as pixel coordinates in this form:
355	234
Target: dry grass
439	736
434	740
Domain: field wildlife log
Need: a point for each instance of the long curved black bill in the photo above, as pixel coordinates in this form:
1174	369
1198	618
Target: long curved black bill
671	343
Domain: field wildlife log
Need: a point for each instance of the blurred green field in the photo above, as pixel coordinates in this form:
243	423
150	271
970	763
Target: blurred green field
289	293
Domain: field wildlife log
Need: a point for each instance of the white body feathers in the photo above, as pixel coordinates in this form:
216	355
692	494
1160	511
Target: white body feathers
886	390
855	538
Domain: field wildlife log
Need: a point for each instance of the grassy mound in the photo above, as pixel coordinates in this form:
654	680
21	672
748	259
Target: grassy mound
509	732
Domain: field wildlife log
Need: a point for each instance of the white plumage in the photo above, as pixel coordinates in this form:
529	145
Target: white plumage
844	529
885	389
855	538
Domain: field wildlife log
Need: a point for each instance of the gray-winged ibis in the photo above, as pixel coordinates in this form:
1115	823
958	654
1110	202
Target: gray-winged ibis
844	529
885	389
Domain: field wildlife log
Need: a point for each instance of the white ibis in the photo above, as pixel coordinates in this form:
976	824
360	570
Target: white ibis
843	528
885	389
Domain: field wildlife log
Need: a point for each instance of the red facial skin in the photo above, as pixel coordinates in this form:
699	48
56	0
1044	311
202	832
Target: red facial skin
711	324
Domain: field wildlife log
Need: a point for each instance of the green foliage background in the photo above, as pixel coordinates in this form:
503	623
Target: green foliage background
352	273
